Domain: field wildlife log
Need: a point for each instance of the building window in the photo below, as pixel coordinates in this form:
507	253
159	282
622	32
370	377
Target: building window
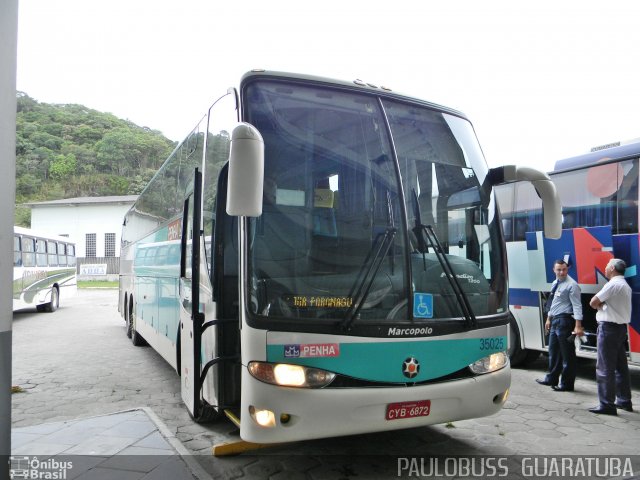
91	245
109	244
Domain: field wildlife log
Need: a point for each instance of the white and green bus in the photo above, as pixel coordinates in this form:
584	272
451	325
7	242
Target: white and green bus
44	270
321	258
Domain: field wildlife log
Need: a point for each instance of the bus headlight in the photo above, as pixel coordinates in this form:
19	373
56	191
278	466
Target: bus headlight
288	375
490	363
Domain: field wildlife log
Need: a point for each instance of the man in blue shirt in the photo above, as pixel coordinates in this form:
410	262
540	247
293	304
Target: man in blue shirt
564	318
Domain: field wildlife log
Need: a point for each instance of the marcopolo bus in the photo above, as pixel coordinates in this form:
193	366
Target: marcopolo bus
315	247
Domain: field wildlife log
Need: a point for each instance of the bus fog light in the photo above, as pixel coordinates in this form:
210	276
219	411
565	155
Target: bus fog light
264	418
285	418
501	397
490	363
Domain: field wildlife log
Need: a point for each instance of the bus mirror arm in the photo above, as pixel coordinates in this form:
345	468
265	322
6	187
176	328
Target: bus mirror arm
546	189
246	172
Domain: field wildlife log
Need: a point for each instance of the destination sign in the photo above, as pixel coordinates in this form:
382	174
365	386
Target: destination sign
315	301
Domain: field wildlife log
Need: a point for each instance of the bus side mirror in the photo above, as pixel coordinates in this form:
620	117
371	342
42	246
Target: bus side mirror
246	172
551	206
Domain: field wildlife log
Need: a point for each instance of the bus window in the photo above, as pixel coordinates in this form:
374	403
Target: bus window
53	253
628	198
528	209
222	115
71	255
505	197
17	254
62	255
586	202
41	253
28	252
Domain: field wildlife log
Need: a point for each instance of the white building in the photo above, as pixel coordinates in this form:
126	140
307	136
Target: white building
93	223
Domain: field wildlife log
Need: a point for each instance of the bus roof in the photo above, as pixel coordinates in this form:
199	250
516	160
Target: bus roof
38	234
618	153
357	85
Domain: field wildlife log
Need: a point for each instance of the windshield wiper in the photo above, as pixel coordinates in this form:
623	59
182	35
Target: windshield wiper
374	267
463	301
432	238
369	276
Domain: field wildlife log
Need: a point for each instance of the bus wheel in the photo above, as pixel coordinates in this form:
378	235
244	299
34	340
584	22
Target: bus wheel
128	312
53	305
516	354
208	413
532	356
136	338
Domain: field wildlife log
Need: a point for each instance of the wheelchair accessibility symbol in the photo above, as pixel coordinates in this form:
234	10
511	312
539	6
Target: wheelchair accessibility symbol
422	305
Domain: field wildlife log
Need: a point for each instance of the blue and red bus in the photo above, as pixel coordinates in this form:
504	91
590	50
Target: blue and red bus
599	196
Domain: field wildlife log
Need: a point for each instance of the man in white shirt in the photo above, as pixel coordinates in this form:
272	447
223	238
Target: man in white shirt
613	304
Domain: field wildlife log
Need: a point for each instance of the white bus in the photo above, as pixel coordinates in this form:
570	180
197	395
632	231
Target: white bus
44	270
599	195
313	248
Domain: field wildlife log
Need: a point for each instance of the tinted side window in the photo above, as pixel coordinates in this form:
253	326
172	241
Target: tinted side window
528	211
505	197
601	195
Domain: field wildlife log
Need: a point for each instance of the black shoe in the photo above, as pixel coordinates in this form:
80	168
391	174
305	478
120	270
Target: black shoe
542	381
561	388
627	408
603	410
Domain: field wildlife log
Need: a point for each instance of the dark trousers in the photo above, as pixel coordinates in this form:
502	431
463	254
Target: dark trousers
612	370
562	353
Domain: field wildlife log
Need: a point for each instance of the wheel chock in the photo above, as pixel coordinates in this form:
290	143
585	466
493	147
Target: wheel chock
238	447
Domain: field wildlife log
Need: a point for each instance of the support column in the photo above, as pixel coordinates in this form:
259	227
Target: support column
8	53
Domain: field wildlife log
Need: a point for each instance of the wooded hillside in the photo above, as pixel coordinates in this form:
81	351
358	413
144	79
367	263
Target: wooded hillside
65	151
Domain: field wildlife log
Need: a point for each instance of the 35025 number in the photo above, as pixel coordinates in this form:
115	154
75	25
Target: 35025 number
492	343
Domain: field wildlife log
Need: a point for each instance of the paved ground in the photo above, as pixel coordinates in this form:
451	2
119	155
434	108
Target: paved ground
77	363
125	445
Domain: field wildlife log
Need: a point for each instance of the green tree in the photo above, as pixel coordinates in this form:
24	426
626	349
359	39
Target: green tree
63	166
72	151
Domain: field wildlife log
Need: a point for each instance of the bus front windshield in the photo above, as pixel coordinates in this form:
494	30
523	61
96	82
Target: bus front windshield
352	217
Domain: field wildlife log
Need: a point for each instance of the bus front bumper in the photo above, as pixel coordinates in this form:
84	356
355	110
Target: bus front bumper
302	414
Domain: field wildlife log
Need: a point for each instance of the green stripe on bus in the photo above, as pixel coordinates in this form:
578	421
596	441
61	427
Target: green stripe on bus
383	361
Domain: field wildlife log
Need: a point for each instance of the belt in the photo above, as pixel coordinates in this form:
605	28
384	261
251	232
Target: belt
563	315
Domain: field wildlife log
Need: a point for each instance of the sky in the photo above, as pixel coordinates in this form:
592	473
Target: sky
540	81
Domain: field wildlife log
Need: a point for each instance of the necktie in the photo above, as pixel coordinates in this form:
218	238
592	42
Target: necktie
547	305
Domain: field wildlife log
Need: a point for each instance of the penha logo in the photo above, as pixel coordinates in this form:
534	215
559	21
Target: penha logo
312	350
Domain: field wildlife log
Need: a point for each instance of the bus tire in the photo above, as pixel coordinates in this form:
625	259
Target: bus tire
532	356
136	338
128	311
208	413
517	355
178	353
53	305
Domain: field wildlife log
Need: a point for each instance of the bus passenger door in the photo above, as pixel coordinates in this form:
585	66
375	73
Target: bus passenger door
191	318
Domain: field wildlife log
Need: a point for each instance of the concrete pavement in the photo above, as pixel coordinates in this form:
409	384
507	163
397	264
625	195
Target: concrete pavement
77	363
132	444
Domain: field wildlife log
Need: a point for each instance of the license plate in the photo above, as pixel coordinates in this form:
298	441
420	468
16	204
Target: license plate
419	408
